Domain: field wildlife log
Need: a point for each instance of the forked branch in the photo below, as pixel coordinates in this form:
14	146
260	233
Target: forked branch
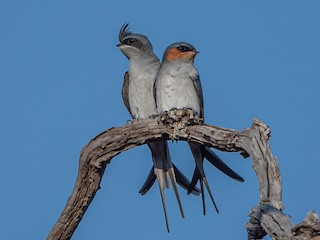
266	218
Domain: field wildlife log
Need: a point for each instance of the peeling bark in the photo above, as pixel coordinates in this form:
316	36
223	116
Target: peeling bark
266	218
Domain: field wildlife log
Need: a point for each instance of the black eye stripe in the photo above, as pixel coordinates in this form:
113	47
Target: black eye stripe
133	42
129	41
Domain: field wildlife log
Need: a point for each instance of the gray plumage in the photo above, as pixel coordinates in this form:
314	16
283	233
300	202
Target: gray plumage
138	97
178	86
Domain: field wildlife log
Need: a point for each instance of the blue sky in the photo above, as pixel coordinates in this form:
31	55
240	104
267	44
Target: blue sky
61	77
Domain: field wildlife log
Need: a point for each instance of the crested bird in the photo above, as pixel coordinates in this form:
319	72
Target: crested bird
138	97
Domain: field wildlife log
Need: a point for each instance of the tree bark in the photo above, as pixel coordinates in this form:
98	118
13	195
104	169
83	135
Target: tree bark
266	218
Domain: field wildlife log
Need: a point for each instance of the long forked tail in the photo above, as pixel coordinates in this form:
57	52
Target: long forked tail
198	155
182	180
159	174
163	168
216	161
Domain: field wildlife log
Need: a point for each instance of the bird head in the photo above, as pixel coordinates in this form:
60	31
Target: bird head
132	44
180	51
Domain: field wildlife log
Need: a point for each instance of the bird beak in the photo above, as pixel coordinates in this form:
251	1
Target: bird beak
119	44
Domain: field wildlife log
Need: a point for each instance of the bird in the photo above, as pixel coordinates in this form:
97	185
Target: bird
138	97
178	85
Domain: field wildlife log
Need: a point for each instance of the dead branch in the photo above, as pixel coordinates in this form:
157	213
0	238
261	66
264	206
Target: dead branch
266	218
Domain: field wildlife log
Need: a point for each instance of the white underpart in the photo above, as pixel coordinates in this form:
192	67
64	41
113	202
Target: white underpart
142	74
175	87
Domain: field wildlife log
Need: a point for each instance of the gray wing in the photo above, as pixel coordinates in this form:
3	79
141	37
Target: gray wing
198	87
200	152
155	89
125	91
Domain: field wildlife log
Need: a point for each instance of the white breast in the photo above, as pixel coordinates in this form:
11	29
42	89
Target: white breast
175	89
140	92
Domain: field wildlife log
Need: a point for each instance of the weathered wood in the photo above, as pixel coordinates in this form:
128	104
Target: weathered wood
309	228
267	218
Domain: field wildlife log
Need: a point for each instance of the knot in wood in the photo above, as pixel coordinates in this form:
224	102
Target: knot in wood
179	119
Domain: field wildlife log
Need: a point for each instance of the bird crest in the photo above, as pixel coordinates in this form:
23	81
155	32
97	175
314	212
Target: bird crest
124	31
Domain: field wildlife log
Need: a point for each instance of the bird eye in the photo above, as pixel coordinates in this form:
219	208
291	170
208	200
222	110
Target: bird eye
129	41
184	48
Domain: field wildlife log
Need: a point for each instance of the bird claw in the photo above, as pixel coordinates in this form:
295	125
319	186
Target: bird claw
154	116
129	121
179	119
184	116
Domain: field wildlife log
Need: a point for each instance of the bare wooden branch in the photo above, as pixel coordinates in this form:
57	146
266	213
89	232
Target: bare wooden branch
266	218
309	228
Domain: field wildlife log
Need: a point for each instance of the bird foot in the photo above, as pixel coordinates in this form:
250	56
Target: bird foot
183	117
179	119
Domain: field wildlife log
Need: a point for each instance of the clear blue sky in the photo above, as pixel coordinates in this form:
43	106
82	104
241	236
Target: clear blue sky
61	77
